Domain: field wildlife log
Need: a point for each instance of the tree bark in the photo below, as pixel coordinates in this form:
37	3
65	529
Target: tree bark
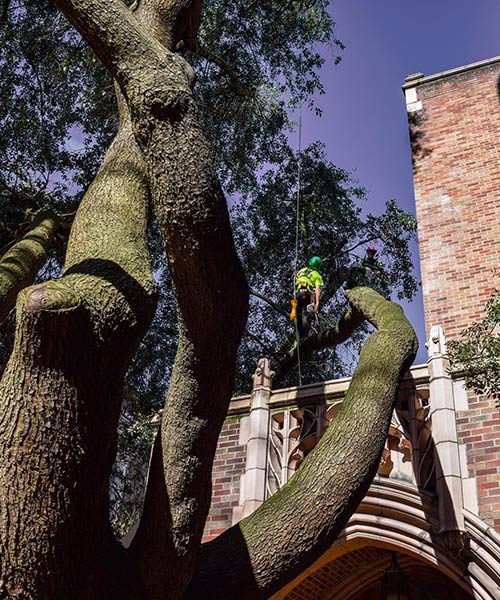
60	394
257	557
351	320
20	264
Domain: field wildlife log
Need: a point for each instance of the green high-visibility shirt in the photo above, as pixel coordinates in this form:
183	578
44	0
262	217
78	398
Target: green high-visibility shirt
308	278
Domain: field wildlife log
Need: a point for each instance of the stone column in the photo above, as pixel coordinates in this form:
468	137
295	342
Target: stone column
253	488
444	433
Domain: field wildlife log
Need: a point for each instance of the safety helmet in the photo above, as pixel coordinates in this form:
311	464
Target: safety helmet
371	249
315	262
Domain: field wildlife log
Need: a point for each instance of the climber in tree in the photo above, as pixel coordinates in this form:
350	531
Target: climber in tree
372	267
365	271
308	282
369	261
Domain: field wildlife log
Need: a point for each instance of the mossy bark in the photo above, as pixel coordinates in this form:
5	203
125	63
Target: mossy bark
333	336
20	264
257	557
60	394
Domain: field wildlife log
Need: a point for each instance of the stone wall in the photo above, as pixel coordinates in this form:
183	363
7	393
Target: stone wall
269	432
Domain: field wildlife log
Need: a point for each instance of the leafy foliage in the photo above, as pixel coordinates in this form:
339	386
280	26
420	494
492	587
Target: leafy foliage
477	354
54	114
135	436
269	57
332	225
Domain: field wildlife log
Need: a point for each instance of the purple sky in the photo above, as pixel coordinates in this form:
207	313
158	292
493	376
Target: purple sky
364	122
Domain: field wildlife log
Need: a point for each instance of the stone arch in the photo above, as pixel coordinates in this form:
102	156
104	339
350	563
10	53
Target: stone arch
396	516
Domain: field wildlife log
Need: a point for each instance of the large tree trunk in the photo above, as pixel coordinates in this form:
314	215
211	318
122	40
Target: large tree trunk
61	392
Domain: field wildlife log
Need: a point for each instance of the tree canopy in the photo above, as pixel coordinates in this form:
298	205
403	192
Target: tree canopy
60	114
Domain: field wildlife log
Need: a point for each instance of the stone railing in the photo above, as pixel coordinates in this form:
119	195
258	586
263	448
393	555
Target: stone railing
282	426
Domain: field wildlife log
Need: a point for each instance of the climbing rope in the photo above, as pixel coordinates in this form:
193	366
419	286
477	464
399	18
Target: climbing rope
297	221
297	207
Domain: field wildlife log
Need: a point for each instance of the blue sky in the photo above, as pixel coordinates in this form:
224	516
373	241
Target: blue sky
364	123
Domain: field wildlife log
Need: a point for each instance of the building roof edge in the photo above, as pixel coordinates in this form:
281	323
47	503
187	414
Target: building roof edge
413	81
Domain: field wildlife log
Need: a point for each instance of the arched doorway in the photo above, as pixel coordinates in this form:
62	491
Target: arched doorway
397	517
362	572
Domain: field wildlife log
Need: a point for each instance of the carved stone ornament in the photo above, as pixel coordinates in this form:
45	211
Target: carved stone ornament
263	375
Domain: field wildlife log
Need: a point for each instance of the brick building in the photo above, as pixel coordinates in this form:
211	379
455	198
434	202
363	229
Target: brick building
435	503
455	129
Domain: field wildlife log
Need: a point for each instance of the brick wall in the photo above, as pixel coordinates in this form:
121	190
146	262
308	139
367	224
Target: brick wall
455	133
228	467
479	429
457	191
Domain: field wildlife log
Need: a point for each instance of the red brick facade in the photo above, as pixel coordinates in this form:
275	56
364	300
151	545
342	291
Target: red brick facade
455	131
228	468
457	191
479	429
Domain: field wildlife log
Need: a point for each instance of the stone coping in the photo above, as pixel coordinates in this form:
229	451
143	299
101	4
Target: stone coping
414	80
314	393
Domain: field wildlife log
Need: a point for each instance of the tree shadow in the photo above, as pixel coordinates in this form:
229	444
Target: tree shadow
109	271
227	554
417	139
428	471
447	535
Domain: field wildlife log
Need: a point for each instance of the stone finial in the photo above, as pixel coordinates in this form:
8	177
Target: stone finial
437	341
263	375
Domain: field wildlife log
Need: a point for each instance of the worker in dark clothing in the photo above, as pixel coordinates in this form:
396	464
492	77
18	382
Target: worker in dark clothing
373	268
365	271
370	262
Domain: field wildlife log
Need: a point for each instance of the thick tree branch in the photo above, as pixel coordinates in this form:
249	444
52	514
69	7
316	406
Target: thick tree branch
20	264
238	86
61	391
212	301
300	522
74	339
132	52
351	320
113	32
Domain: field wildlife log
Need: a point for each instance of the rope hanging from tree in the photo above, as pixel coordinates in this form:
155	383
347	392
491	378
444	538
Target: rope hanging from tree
297	221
